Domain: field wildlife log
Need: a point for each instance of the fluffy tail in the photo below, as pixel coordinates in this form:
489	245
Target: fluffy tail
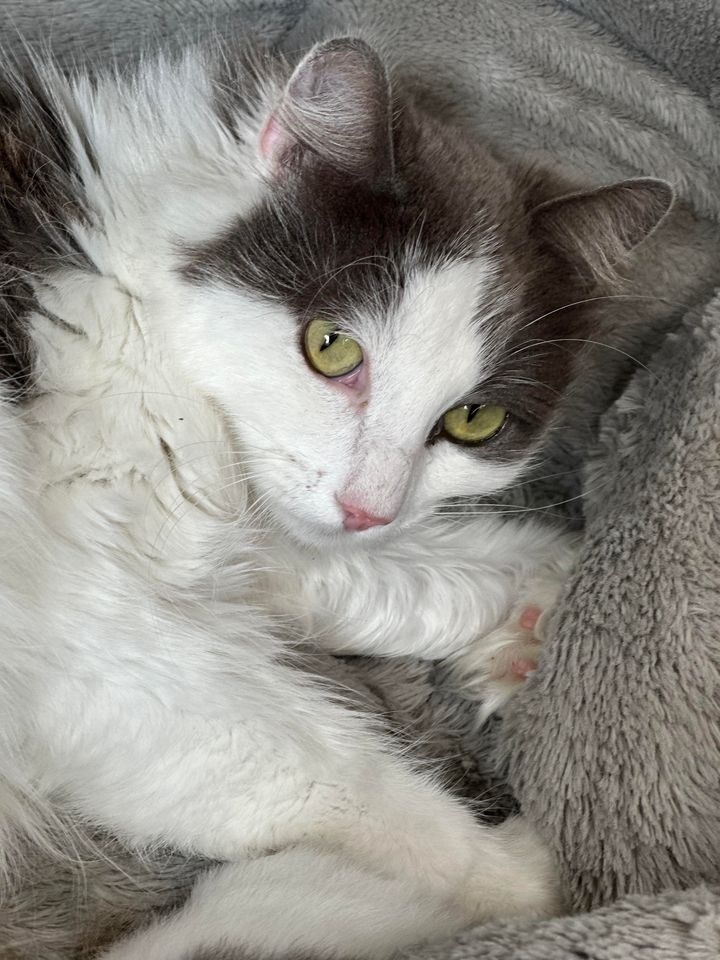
299	902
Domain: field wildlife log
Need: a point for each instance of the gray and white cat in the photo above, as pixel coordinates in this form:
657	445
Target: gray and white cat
260	327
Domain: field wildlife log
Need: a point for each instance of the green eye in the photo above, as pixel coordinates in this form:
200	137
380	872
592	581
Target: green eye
330	352
474	423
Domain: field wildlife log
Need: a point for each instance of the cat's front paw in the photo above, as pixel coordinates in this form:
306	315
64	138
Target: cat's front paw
497	664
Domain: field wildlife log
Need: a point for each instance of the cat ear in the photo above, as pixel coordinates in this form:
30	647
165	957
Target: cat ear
597	229
336	107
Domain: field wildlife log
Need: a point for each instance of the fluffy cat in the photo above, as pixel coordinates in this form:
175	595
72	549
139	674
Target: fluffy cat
260	327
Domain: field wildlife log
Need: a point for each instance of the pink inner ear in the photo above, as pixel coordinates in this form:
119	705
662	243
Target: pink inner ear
274	141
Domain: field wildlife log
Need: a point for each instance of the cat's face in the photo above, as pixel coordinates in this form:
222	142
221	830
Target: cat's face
367	450
383	327
339	360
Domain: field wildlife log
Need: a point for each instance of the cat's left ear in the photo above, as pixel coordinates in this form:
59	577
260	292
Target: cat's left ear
336	108
596	230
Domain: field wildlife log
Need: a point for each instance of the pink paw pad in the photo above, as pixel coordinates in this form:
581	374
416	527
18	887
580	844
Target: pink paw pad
529	617
522	667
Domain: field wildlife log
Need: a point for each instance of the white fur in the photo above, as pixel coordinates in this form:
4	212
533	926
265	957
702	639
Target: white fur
168	535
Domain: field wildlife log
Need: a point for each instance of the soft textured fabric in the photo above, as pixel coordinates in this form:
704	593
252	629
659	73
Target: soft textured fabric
614	747
625	772
682	36
104	30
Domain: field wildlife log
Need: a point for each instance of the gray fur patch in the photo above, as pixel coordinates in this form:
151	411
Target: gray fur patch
40	195
222	953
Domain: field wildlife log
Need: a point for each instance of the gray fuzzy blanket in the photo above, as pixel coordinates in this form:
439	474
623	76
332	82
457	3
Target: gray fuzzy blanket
613	748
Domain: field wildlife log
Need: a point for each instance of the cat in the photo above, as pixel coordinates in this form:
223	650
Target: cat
261	325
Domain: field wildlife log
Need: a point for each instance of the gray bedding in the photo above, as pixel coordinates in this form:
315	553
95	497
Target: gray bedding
680	36
614	746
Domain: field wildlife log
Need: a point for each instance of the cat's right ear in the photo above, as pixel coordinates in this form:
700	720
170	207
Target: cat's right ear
336	110
595	230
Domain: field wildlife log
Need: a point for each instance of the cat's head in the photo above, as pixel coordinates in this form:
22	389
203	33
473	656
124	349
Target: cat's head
384	327
385	322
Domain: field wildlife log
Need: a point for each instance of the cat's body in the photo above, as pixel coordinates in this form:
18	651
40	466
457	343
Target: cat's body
182	498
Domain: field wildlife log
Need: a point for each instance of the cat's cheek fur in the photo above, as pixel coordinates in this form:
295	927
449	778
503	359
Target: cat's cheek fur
454	471
293	433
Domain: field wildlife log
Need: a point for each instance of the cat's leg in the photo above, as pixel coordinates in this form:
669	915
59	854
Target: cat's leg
477	591
287	765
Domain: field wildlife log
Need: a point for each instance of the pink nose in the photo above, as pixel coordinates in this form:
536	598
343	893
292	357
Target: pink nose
358	519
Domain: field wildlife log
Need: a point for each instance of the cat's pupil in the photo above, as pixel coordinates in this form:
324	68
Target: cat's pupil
472	410
328	340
